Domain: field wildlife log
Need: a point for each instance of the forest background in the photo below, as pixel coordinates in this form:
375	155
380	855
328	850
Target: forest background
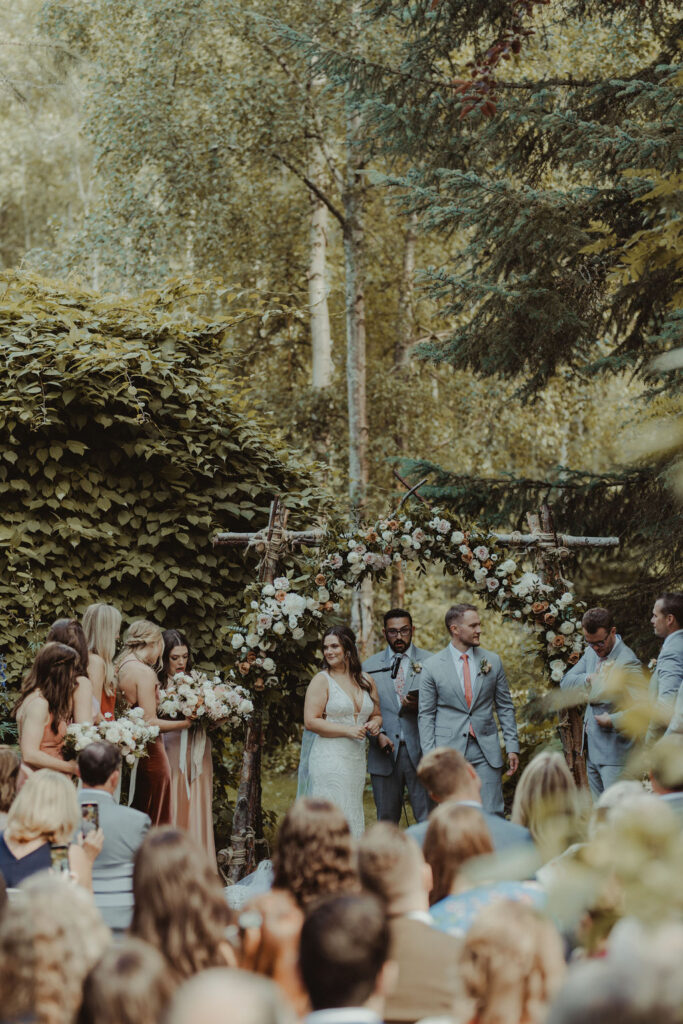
343	238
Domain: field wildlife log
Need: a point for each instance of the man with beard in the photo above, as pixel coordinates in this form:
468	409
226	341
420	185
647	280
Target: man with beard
394	755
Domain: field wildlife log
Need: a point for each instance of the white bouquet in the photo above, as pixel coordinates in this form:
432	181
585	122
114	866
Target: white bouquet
130	733
193	695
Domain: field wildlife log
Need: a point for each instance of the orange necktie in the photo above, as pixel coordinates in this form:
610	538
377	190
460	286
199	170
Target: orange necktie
468	684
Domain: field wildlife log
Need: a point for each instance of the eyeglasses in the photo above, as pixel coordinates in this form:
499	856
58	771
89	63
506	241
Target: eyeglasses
597	643
403	631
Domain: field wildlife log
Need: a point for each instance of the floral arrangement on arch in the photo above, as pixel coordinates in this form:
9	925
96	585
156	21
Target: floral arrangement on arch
205	701
130	733
292	609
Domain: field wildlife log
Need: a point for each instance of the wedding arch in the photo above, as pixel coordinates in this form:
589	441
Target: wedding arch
294	600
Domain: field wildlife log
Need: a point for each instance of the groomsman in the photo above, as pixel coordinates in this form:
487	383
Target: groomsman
665	684
394	755
602	743
459	689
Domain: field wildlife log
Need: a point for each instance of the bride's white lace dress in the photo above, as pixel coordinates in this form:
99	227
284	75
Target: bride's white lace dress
337	764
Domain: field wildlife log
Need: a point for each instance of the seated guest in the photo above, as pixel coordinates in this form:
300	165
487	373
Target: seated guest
123	828
314	852
51	934
271	929
666	771
619	795
344	959
547	803
391	867
179	903
446	775
456	837
131	984
45	814
510	967
222	996
9	773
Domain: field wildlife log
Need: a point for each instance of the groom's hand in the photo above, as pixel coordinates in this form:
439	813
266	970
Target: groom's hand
513	761
385	743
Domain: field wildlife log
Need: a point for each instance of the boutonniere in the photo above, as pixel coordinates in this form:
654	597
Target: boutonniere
652	664
485	667
416	667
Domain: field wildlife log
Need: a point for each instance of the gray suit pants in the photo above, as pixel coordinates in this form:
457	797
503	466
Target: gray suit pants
388	790
602	776
491	778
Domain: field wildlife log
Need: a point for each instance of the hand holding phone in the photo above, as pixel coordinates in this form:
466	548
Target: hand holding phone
90	818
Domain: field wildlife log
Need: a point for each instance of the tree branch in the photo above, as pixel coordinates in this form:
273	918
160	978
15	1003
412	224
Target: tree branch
312	186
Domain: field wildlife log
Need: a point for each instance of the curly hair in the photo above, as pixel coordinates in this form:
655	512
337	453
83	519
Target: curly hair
180	907
139	637
9	772
510	967
455	834
314	855
54	674
131	984
50	937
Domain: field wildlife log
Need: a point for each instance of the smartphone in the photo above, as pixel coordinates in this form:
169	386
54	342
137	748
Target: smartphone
90	818
59	856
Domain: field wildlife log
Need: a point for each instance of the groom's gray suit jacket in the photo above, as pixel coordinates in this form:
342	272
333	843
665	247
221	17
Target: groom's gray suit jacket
444	718
666	686
378	762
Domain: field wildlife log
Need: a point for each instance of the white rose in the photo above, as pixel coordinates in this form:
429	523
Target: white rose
323	595
557	665
565	599
237	640
387	536
353	557
298	633
245	707
556	674
567	628
252	639
457	537
281	583
292	621
480	574
279	628
254	605
507	566
550	636
481	552
406	541
268	590
268	665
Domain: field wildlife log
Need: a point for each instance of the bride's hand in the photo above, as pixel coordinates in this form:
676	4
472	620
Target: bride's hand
373	727
356	732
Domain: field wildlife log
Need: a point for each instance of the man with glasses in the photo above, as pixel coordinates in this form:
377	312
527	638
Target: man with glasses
603	744
394	755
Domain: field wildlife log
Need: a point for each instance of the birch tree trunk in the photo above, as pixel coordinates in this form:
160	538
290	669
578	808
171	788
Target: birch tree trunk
321	337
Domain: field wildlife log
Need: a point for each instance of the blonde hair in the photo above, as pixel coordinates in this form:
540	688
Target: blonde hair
46	807
547	803
455	835
139	639
131	984
444	772
101	625
180	907
9	771
389	862
51	934
510	967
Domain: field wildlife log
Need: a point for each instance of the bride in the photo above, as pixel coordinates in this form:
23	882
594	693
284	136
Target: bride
341	709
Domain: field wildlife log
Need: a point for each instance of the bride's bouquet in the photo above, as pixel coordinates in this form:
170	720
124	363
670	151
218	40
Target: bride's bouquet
130	733
210	701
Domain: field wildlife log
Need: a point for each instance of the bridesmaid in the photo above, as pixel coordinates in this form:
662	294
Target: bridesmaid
46	707
193	811
137	680
70	632
101	625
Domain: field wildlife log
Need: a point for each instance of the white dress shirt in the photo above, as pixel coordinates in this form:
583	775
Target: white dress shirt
457	661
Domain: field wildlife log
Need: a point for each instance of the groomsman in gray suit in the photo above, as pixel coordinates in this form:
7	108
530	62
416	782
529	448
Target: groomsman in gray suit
460	687
124	829
665	684
394	755
603	744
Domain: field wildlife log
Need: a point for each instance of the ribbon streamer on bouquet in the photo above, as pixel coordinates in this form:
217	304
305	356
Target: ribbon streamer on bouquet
133	780
196	755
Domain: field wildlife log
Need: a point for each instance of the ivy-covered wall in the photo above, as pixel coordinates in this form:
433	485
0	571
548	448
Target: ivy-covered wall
124	445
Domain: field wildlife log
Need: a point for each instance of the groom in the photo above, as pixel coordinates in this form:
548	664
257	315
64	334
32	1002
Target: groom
459	689
394	755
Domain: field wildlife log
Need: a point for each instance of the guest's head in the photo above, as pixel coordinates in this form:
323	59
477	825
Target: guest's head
142	639
46	808
619	794
391	866
177	656
9	772
50	936
131	984
314	853
667	614
547	803
270	933
666	765
70	632
510	966
455	835
180	907
102	625
446	775
344	950
100	765
224	996
55	674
